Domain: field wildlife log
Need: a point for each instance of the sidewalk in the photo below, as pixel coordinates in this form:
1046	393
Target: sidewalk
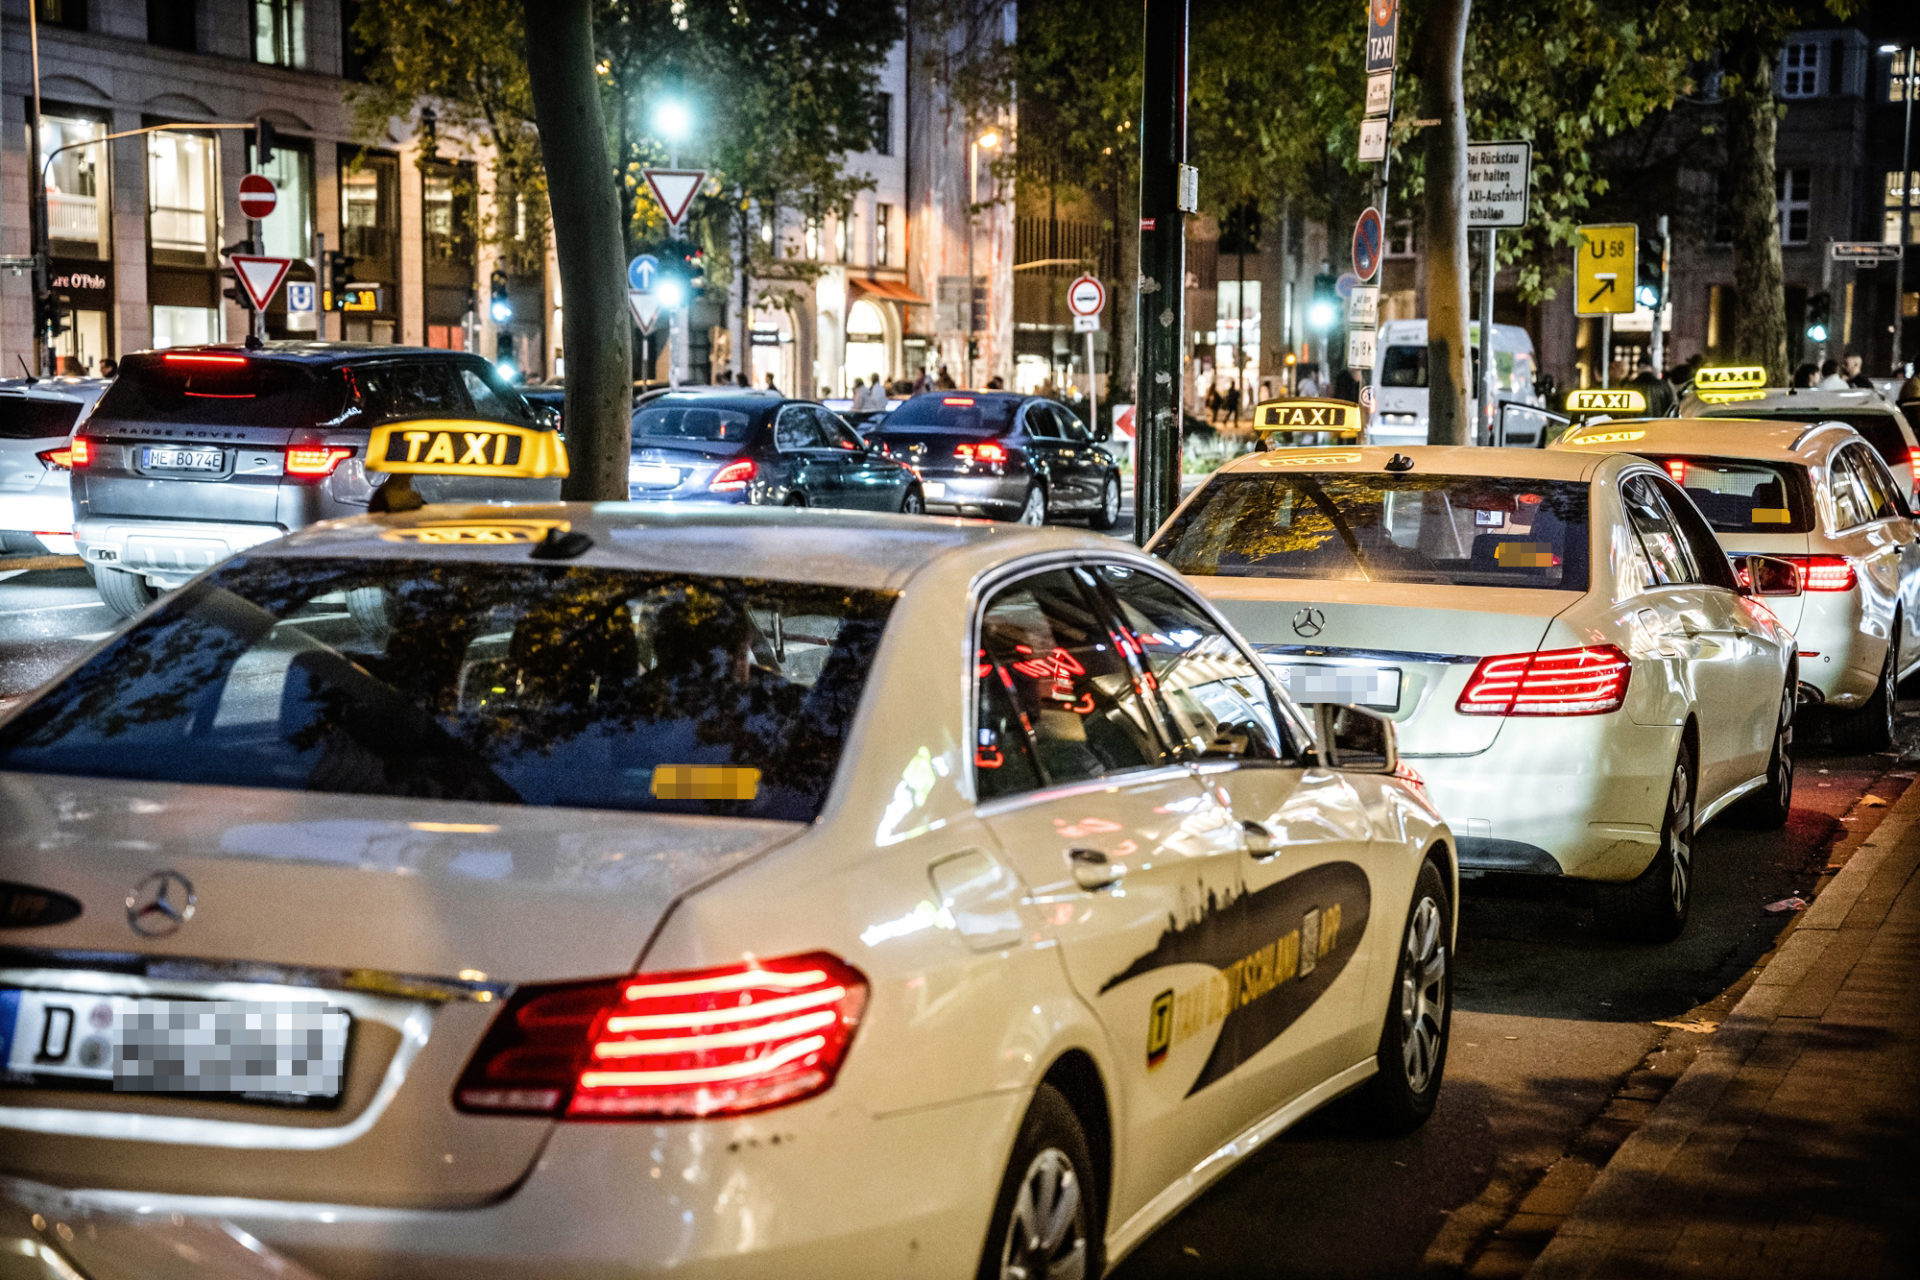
1791	1146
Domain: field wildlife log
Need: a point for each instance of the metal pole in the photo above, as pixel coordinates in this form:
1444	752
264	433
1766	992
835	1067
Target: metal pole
1826	287
1659	343
1163	266
42	268
257	238
1606	350
319	285
1906	202
1093	390
1483	384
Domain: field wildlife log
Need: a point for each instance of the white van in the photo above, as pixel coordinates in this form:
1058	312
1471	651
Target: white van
1400	385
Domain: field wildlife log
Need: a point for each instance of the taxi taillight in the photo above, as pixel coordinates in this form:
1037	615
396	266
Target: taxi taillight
1552	682
314	462
676	1045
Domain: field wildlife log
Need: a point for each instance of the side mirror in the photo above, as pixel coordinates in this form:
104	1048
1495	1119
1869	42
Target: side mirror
1543	385
546	416
1103	431
1355	739
1772	576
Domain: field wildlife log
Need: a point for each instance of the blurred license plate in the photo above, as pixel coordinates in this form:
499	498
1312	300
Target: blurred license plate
1362	686
287	1051
653	477
181	459
934	488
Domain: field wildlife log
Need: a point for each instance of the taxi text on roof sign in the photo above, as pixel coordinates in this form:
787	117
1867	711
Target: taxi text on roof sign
1307	415
454	448
1601	400
1745	377
1606	437
481	533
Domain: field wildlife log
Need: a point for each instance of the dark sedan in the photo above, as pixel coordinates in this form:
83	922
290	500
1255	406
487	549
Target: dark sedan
1007	456
752	447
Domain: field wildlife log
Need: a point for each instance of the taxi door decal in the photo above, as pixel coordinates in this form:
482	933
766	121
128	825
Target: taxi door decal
1303	930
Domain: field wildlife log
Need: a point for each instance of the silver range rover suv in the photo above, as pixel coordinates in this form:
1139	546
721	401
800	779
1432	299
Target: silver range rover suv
199	452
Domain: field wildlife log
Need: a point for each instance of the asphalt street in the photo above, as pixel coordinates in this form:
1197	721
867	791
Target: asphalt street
1552	1021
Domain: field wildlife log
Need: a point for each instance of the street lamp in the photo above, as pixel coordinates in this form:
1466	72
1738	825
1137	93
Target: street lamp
988	139
671	124
1906	200
1320	314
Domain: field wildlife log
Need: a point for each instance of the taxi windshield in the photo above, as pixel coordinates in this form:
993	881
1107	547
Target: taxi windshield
1482	531
474	681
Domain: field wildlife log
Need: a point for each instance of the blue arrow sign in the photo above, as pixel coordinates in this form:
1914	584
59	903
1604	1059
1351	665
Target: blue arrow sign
642	272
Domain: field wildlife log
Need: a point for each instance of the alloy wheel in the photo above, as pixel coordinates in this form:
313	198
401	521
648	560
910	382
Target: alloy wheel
1423	994
1680	837
1047	1226
1110	503
912	505
1034	509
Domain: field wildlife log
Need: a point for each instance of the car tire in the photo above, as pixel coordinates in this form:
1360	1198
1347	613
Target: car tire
1769	808
1048	1218
1869	727
1412	1056
911	503
367	606
1033	507
123	592
796	499
1653	906
1107	514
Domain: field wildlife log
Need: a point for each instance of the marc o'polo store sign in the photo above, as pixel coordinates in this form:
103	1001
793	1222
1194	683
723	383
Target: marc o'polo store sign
85	285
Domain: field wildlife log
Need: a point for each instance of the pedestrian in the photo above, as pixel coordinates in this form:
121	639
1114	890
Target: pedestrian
1830	379
1853	373
943	381
770	385
996	383
1309	384
1211	402
109	366
876	395
1806	375
1658	391
921	383
740	379
1232	403
1346	386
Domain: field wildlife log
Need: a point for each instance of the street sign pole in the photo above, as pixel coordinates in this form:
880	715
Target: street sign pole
1483	431
1606	350
1906	204
1161	398
1659	344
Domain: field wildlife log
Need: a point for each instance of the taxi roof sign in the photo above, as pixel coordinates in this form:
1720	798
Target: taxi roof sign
1729	397
488	533
1301	414
1607	400
1587	436
1741	377
451	447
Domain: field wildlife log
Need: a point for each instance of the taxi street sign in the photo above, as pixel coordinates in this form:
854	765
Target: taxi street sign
461	448
1597	400
1379	93
1499	179
1603	269
1738	377
1340	416
1363	305
1383	34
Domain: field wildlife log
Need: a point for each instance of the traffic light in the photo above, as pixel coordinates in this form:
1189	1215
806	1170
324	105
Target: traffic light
50	313
263	141
337	271
1819	316
499	305
1648	271
697	273
1324	309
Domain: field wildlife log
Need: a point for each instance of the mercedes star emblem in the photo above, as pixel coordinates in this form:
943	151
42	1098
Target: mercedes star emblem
160	904
1308	621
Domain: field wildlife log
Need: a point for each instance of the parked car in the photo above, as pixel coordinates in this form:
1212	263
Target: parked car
198	452
1400	385
1004	456
1875	417
744	446
1821	497
705	892
37	421
1562	644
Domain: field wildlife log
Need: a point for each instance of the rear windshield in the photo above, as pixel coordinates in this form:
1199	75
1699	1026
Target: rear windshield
486	682
666	423
1460	530
1882	430
1742	496
31	418
219	392
980	415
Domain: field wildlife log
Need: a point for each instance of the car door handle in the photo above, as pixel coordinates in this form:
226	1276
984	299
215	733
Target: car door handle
1093	869
1261	843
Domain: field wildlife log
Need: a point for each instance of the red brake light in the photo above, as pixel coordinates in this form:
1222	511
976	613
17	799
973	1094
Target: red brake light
1824	573
314	461
986	451
79	453
1677	468
957	400
732	477
1553	682
693	1043
61	458
176	357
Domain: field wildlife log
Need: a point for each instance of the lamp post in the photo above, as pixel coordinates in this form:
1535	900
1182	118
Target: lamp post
988	140
671	124
1906	200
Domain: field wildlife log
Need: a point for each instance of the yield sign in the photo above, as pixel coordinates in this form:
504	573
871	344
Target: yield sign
645	308
675	190
260	277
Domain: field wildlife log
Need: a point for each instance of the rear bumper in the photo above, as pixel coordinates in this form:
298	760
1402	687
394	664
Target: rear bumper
44	513
1580	796
817	1189
1839	658
167	552
998	496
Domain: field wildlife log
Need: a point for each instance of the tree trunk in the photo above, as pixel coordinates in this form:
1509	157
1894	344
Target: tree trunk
1760	319
1126	296
1443	98
595	331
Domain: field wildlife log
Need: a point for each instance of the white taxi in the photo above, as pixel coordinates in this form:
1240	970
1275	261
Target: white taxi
1558	638
1822	497
593	890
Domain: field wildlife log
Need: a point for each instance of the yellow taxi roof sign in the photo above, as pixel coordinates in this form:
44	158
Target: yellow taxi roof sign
481	533
1626	400
1729	397
1594	435
1731	377
1304	414
456	447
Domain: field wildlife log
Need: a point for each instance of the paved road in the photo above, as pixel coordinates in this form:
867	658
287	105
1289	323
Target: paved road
1551	1018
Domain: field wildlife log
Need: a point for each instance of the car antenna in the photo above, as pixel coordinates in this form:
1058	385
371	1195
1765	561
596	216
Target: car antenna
560	544
31	380
1399	462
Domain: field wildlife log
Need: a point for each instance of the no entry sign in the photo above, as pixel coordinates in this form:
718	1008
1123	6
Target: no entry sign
1086	296
257	196
1367	244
